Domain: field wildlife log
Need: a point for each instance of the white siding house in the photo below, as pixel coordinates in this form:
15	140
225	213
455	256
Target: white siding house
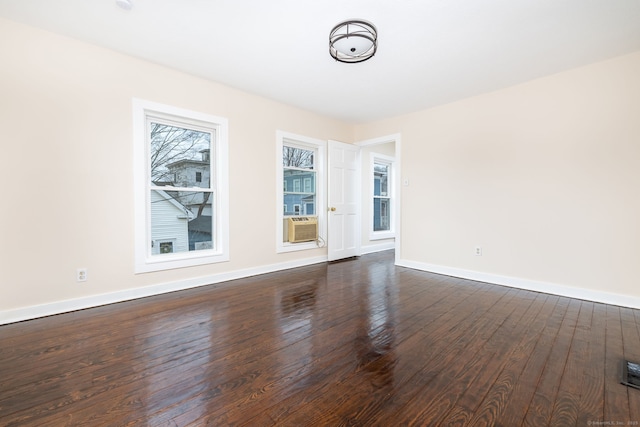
169	224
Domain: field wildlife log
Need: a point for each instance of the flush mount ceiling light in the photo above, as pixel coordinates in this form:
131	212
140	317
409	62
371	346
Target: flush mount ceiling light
353	41
124	4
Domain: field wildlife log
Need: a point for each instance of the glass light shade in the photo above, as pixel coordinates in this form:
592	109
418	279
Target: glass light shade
353	41
353	45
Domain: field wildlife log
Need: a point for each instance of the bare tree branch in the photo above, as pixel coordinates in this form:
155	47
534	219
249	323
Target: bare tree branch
297	157
170	144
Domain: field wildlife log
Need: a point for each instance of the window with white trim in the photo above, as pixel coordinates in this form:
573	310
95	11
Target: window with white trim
181	185
382	197
300	175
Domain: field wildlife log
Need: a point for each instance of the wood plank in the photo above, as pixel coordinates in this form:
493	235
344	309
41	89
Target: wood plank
481	370
591	403
445	358
544	398
439	320
616	398
565	409
631	349
486	400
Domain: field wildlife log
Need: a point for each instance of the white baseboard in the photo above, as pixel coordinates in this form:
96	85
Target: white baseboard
530	285
58	307
379	247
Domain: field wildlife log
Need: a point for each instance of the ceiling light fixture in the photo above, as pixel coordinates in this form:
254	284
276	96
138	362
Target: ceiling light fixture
353	41
124	4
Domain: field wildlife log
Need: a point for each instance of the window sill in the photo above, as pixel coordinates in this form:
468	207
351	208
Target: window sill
285	247
153	264
382	235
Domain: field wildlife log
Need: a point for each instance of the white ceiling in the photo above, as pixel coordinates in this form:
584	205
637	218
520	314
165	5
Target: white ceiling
430	52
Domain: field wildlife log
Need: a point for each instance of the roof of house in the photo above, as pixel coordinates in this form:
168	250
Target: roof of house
201	224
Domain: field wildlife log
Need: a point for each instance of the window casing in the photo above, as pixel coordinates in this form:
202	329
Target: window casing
181	187
300	185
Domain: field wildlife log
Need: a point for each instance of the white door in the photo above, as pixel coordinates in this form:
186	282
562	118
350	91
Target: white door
343	240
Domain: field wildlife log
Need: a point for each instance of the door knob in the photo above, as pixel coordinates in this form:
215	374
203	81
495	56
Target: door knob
332	209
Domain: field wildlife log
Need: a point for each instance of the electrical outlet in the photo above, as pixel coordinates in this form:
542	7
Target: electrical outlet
478	250
81	275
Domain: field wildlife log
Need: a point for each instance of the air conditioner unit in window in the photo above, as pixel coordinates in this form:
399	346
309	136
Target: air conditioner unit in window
303	229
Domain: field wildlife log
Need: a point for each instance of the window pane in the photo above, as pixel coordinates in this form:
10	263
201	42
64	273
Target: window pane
301	197
179	156
166	247
297	158
298	204
181	221
296	181
381	214
380	180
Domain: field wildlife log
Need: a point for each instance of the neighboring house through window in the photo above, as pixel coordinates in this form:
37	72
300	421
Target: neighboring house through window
181	185
299	173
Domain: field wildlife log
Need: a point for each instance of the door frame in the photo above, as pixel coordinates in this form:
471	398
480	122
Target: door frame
399	182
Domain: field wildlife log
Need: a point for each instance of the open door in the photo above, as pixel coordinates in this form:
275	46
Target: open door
343	240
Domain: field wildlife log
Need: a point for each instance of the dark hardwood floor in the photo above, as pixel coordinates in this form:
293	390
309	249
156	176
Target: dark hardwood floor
360	342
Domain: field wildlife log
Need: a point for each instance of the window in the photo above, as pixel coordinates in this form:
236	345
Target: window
382	198
181	186
166	247
298	167
299	182
309	209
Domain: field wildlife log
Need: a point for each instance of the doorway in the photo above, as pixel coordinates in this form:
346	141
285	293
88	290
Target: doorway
352	198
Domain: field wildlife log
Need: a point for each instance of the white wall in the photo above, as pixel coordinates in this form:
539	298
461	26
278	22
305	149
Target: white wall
545	176
66	135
